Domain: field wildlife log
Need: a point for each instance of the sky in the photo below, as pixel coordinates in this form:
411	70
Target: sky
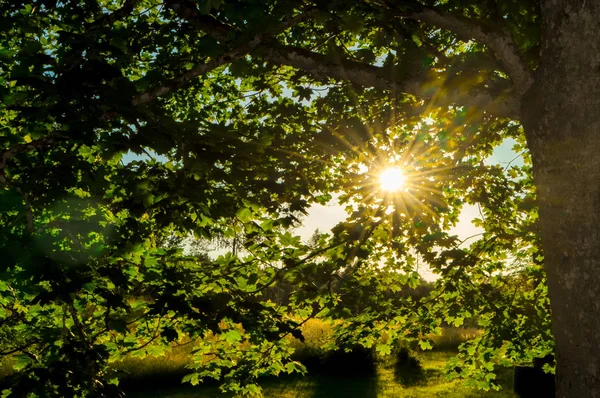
325	217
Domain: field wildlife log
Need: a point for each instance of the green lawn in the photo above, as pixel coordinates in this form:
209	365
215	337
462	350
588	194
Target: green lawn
384	385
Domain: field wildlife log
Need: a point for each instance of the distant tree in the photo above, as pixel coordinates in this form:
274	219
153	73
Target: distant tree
250	111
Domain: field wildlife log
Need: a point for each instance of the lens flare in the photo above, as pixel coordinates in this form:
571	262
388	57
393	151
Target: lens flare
392	179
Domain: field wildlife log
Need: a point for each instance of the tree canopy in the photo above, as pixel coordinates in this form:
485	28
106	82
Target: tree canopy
242	114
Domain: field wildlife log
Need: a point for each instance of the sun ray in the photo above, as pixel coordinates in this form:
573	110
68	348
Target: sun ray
425	188
419	203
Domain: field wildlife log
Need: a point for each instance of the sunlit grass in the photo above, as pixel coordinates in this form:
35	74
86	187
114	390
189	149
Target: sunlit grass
173	361
384	385
317	334
160	376
452	337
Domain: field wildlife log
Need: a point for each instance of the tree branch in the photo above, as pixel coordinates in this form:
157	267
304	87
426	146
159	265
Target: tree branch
186	10
183	79
499	41
19	348
109	19
318	65
8	154
432	89
505	104
220	32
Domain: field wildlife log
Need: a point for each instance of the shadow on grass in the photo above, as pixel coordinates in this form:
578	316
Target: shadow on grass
150	381
166	382
168	385
339	373
355	387
344	373
320	386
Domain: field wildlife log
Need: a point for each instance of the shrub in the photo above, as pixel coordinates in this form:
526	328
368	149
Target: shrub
357	361
317	333
353	361
407	368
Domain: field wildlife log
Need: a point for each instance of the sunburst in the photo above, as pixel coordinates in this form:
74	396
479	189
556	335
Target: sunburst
392	179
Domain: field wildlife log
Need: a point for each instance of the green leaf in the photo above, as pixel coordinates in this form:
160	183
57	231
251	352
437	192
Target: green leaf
6	53
244	214
192	378
148	200
383	349
232	336
425	345
21	361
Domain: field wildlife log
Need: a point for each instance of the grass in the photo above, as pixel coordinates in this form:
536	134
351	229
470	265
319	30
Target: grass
384	385
423	378
148	372
452	337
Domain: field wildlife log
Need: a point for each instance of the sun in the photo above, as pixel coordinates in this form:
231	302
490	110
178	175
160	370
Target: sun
392	179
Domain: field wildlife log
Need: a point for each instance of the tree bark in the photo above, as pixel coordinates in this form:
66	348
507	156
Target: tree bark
561	117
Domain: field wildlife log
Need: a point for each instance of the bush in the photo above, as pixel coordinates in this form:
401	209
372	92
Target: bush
353	361
407	368
357	361
317	333
310	357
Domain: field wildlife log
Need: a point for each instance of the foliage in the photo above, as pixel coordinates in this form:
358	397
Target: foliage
241	114
386	383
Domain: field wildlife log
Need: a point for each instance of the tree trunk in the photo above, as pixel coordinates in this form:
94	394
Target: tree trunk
561	117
